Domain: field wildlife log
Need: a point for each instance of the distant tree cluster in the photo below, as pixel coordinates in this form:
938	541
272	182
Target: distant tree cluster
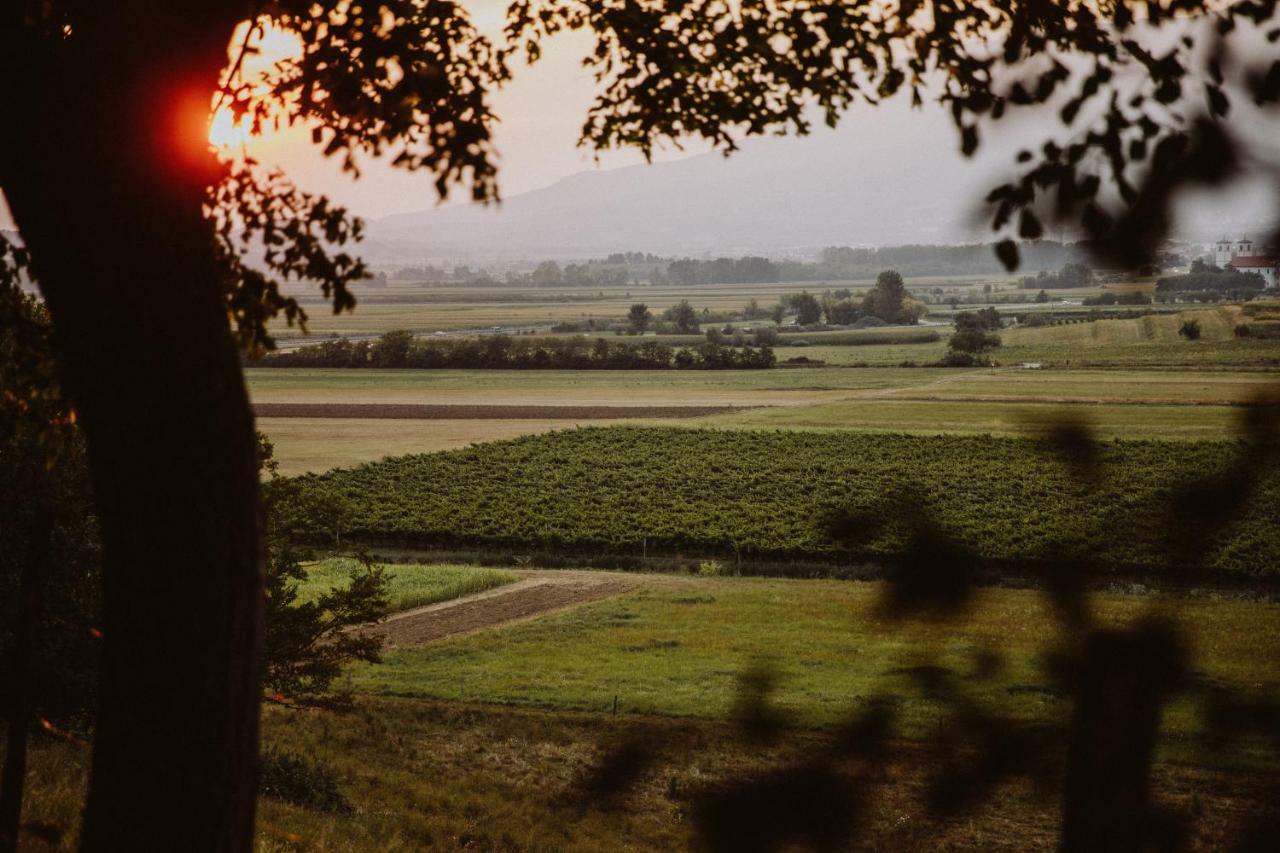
398	349
888	301
1229	283
619	258
844	262
974	336
1071	275
922	260
545	274
748	270
1132	298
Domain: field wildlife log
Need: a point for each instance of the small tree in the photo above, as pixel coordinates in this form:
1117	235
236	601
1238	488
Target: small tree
766	337
808	309
886	298
683	315
638	318
307	642
1190	329
392	349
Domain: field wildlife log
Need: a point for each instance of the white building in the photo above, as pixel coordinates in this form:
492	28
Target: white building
1265	267
1224	250
1242	257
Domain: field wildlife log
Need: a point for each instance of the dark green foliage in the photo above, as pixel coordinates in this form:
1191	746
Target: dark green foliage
1232	283
973	341
702	492
886	299
972	338
1190	329
840	311
683	315
391	349
1071	275
47	525
983	320
301	781
748	270
808	310
638	318
399	350
765	336
307	643
1133	298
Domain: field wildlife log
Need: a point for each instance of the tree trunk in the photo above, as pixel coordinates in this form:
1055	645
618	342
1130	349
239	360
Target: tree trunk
105	170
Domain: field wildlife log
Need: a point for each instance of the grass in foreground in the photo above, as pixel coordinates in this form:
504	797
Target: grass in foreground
424	775
409	585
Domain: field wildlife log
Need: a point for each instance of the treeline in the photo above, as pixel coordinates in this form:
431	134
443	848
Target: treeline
749	270
834	263
1071	275
545	274
399	349
1230	282
844	262
924	260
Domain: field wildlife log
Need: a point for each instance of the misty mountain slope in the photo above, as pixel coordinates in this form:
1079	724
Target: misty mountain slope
862	185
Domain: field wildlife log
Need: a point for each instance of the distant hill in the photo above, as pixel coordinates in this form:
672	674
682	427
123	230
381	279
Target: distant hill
858	186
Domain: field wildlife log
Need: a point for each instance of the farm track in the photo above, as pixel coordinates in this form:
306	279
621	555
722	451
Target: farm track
537	595
416	411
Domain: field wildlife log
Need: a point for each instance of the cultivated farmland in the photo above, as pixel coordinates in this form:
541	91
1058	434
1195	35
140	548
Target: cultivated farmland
624	490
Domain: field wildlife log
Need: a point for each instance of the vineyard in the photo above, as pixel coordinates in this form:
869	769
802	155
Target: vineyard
822	496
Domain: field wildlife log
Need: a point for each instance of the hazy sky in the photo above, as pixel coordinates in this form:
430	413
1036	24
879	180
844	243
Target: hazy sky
541	112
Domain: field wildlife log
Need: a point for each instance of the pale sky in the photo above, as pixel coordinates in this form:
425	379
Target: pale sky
541	112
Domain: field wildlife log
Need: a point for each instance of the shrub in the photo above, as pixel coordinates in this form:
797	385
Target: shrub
973	341
1190	329
711	569
766	336
301	781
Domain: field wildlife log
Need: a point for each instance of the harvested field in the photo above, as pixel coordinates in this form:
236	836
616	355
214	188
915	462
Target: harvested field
525	599
318	444
416	411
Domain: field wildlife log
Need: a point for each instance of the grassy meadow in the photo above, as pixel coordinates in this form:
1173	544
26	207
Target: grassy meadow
679	647
408	585
506	739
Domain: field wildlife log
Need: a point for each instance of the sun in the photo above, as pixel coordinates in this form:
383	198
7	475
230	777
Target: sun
264	45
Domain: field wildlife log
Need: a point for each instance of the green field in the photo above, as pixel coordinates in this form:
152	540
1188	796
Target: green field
678	647
573	387
408	586
768	493
419	309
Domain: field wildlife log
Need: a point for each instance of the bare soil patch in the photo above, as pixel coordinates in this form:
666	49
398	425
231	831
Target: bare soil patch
417	411
524	599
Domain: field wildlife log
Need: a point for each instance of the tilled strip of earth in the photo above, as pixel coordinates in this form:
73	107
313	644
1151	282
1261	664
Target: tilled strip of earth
523	599
416	411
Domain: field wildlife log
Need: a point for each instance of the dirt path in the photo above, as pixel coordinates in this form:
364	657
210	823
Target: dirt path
416	411
535	595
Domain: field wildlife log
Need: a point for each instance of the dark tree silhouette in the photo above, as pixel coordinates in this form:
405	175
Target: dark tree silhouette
137	235
638	318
